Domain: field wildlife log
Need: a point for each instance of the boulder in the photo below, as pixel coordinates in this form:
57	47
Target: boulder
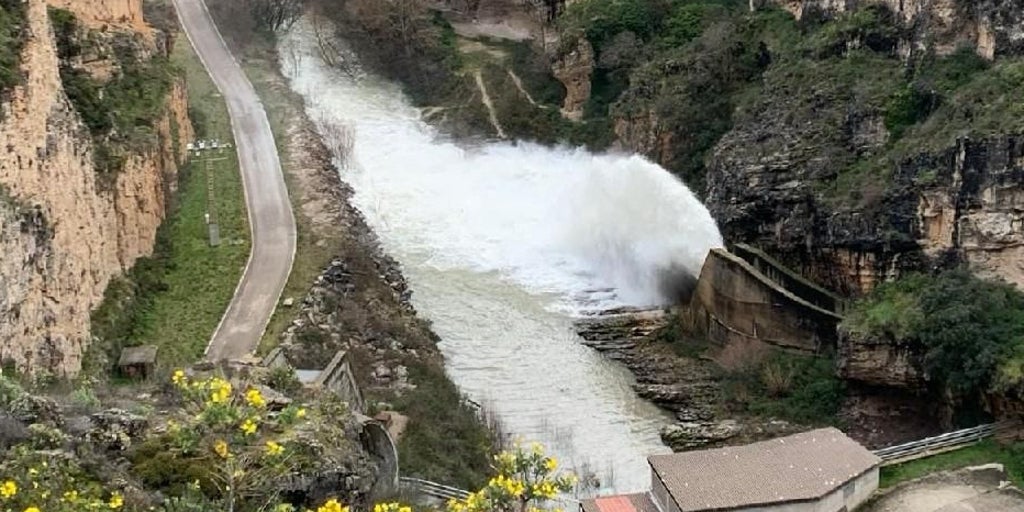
114	429
695	435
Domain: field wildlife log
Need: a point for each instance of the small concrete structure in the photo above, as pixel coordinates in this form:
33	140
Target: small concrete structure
818	471
137	362
336	377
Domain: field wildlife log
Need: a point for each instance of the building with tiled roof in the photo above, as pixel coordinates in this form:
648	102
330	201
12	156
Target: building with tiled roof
818	471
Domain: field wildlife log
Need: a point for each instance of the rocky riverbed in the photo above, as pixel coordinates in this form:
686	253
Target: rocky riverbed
689	387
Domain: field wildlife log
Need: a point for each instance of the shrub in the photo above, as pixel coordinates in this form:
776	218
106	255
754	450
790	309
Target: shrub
601	20
802	389
971	330
284	380
906	107
12	38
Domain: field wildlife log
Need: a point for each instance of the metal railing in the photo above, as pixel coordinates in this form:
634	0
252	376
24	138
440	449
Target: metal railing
934	445
433	489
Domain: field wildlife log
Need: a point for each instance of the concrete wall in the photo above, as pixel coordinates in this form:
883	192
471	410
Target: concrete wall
379	442
734	303
337	377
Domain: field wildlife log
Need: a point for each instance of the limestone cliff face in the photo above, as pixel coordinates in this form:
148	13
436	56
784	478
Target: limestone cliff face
993	27
63	234
961	204
574	69
99	12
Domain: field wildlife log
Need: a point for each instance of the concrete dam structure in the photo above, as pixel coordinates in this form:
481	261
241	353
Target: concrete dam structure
746	297
743	300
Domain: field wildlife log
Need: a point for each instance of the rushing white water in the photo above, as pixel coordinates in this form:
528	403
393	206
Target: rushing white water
502	245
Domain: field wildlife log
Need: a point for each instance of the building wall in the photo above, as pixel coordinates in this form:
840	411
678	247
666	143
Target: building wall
660	494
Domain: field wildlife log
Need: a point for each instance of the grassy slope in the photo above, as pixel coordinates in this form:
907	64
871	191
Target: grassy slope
982	453
200	279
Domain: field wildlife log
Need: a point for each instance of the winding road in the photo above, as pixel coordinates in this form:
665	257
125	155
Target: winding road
270	213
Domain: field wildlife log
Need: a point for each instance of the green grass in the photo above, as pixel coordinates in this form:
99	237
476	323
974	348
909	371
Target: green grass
985	452
201	279
175	298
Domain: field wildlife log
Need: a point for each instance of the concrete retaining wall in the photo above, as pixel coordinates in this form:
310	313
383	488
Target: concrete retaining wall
735	303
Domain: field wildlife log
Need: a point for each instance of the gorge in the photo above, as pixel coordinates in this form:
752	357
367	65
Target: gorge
499	283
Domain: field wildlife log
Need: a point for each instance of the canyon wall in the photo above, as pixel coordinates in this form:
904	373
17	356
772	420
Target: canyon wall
65	229
993	27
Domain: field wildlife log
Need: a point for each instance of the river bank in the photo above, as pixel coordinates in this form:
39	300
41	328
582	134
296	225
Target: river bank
345	293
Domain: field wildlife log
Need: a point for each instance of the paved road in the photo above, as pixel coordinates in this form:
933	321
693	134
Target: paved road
270	213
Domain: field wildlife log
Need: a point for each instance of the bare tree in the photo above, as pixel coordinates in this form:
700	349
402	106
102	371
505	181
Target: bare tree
275	15
339	138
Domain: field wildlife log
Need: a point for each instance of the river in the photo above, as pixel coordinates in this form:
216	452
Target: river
503	245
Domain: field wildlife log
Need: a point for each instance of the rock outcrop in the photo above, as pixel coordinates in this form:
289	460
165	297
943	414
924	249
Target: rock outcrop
64	232
992	27
574	68
960	204
880	362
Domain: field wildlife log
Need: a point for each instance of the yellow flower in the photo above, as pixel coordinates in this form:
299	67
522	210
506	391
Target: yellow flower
220	390
249	427
32	509
116	501
221	448
274	448
8	489
332	505
537	448
545	490
550	463
301	413
255	399
179	378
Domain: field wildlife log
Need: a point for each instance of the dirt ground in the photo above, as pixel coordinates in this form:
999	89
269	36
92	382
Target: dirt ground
968	490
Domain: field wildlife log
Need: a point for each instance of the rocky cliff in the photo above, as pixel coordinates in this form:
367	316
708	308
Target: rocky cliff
992	26
961	203
66	228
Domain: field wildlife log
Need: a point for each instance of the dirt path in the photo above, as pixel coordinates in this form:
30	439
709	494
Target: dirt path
270	213
486	99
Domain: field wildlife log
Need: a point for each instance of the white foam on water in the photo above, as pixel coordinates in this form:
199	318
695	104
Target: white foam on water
503	243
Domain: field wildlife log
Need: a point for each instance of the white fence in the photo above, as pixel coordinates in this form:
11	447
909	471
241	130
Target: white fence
433	489
934	445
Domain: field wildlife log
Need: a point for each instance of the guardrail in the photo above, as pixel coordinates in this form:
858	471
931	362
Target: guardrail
934	445
434	489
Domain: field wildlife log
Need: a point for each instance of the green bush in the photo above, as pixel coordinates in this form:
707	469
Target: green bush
446	441
907	106
971	330
119	113
795	388
12	38
601	20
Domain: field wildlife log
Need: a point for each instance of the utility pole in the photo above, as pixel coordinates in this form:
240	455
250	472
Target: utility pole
212	224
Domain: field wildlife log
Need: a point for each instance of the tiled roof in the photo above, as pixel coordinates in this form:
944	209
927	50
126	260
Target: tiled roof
795	468
640	502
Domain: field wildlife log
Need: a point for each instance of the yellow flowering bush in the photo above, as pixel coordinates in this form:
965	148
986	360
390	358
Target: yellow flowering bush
32	481
244	446
525	480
